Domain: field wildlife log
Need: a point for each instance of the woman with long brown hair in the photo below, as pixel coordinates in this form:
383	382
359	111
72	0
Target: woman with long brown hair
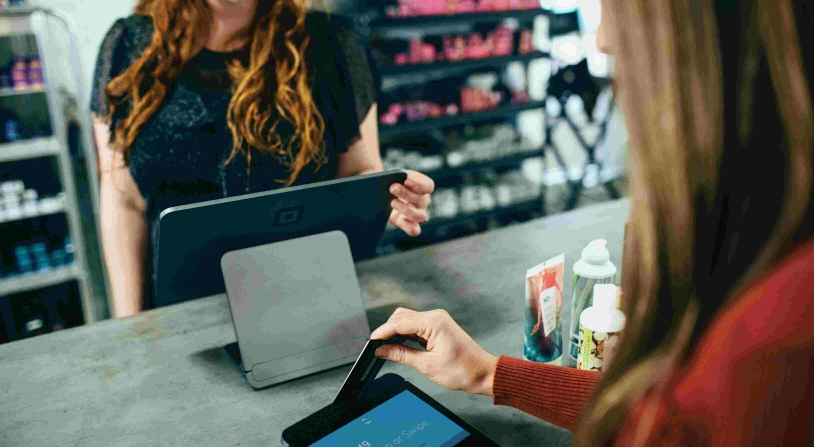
203	99
718	279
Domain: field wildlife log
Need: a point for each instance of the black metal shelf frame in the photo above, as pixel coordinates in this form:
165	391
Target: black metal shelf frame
457	120
385	24
442	67
393	236
501	162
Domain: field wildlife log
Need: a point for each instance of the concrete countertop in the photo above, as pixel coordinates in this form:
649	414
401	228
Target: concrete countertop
162	377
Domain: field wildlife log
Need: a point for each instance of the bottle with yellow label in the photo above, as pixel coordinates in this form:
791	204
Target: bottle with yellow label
599	328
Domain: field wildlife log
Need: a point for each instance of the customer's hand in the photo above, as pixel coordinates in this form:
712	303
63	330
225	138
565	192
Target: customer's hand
452	359
411	202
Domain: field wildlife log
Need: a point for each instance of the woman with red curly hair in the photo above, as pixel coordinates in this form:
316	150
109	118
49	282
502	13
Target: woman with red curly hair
197	100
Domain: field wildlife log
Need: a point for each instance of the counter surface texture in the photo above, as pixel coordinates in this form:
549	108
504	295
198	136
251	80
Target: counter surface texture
163	378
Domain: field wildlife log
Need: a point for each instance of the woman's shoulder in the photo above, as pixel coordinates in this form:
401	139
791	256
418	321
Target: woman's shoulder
123	42
321	20
132	32
327	26
757	354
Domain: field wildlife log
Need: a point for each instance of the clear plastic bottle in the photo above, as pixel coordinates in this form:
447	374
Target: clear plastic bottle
599	329
593	268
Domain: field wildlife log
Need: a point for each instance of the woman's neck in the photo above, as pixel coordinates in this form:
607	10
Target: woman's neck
230	22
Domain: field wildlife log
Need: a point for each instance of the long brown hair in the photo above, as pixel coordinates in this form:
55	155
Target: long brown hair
721	133
274	88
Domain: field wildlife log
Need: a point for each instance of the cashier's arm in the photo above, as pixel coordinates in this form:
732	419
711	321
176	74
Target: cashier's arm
124	227
412	198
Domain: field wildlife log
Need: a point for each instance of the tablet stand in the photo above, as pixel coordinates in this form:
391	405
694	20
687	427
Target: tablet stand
296	307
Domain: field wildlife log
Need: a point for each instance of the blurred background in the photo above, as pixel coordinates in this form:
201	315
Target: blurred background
506	104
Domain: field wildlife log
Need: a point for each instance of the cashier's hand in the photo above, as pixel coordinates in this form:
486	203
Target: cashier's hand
411	202
452	359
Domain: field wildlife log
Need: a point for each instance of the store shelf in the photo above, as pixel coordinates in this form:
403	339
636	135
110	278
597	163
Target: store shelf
27	149
394	235
38	280
502	162
456	120
386	24
6	92
442	67
59	210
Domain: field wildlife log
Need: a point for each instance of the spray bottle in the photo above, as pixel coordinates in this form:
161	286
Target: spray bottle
600	326
593	268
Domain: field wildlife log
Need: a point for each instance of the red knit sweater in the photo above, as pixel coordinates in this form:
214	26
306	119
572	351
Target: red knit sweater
750	381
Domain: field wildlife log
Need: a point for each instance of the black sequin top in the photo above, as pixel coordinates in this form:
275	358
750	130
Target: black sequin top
178	158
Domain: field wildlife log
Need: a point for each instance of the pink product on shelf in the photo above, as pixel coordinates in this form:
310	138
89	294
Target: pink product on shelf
455	48
392	115
415	50
486	6
466	7
401	59
477	100
520	97
413	8
503	41
526	44
388	119
436	110
451	109
397	109
422	7
427	53
476	47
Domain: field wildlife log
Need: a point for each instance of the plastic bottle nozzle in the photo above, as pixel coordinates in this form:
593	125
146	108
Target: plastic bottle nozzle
605	296
596	252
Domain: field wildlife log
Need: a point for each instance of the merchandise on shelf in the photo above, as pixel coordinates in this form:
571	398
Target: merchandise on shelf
492	142
37	258
414	8
500	141
38	253
496	192
396	158
16	202
13	129
18	74
483	43
34	77
474	93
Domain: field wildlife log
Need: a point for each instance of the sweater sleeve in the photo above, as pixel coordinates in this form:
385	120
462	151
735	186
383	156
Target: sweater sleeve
554	394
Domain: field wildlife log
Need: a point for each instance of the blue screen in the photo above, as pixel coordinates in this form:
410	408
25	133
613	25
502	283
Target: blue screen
403	421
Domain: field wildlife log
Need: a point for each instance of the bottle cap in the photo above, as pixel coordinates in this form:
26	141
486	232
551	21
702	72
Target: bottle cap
596	253
605	296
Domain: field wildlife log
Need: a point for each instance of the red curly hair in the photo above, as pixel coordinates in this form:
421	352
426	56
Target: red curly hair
276	80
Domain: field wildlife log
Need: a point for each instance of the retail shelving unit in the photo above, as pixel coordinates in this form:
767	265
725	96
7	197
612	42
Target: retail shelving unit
430	124
59	294
440	229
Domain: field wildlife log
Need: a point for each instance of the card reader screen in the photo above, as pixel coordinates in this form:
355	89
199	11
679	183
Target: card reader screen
403	421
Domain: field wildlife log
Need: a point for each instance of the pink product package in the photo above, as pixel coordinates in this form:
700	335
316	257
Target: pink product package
526	44
503	38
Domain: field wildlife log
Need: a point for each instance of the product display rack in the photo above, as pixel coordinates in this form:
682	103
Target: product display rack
388	23
444	67
56	284
437	229
431	124
476	166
